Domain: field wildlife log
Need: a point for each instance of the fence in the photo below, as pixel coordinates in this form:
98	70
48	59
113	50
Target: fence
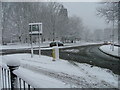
11	80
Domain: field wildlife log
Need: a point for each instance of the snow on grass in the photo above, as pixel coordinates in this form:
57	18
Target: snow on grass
108	49
93	75
68	45
22	46
101	74
45	44
46	63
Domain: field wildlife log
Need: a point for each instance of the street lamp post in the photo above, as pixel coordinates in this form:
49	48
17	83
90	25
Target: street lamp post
113	30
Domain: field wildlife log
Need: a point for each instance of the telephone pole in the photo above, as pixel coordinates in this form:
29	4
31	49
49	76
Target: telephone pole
113	29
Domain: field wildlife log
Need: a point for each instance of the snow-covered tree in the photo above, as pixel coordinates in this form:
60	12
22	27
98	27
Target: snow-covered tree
109	10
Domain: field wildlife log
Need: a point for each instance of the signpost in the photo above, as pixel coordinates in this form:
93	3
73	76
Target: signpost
35	29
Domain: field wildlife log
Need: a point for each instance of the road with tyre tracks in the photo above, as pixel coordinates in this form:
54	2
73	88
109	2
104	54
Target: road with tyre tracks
87	54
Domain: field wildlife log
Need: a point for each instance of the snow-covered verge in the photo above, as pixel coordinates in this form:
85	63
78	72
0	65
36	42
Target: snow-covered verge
37	80
62	73
45	44
68	45
22	46
108	49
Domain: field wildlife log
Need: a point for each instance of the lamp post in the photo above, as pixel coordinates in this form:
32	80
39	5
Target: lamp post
119	23
113	29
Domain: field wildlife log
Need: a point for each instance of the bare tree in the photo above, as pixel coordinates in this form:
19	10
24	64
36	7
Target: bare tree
53	15
109	10
75	27
17	16
57	21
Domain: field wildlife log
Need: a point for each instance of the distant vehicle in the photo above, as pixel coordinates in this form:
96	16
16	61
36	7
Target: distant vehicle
55	44
4	43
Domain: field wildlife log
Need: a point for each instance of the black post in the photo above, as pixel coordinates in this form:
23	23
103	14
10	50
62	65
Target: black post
8	78
3	77
13	77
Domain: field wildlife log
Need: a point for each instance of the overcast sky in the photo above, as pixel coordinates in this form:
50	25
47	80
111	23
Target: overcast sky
86	11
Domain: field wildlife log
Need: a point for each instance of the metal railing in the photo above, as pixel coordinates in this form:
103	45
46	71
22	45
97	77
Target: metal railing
10	80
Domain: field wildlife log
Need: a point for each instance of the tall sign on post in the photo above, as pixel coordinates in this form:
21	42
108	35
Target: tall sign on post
35	29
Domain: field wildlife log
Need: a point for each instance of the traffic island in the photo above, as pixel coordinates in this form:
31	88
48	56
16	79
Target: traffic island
107	49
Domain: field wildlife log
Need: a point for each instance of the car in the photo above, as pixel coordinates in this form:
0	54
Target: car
55	44
4	43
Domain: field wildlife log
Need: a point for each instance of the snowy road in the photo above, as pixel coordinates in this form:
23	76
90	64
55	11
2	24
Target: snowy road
87	54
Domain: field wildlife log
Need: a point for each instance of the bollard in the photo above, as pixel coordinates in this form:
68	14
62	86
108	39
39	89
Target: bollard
55	53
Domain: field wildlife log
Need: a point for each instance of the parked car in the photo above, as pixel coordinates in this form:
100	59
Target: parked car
55	44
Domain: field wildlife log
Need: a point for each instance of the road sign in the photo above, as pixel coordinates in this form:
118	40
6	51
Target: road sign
35	29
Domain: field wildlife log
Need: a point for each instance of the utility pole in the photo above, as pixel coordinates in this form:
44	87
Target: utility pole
53	16
119	30
113	29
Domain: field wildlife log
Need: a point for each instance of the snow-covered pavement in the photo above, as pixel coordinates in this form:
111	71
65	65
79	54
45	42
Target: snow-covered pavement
62	73
108	49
